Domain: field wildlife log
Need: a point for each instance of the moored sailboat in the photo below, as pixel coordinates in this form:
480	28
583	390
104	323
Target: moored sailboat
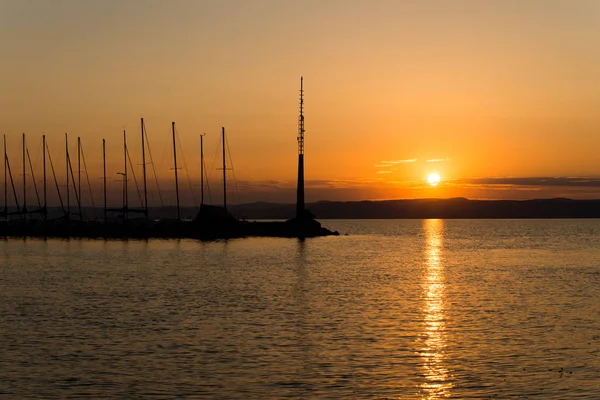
211	222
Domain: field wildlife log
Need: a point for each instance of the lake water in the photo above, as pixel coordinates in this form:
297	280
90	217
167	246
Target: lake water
401	309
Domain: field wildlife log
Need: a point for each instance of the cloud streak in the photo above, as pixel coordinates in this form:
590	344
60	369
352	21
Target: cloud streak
507	183
393	162
437	160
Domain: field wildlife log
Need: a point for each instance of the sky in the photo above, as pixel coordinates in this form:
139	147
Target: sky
500	98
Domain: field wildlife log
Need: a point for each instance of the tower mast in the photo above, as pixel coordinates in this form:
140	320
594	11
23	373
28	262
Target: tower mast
5	183
144	168
79	177
202	170
104	177
125	191
300	190
12	182
68	161
224	171
45	178
176	177
24	182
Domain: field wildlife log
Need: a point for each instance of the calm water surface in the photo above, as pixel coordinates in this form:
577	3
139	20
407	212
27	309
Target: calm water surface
404	309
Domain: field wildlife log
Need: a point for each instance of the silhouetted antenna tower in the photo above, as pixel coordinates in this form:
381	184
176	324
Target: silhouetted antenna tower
301	120
300	189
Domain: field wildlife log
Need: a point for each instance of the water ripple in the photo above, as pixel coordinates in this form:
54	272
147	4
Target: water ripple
399	309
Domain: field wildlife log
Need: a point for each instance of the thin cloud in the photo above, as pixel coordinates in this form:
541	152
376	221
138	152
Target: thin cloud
410	160
436	160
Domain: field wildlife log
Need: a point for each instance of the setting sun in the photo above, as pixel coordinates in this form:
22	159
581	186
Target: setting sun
433	179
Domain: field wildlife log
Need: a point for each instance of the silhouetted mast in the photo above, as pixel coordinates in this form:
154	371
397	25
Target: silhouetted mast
175	164
5	183
104	177
79	177
87	178
144	169
300	190
68	161
12	182
24	182
37	194
45	179
202	170
74	183
62	206
125	194
224	171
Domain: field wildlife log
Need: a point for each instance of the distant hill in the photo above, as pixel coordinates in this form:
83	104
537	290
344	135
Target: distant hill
389	209
429	208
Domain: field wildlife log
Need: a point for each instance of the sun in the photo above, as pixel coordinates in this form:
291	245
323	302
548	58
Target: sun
433	179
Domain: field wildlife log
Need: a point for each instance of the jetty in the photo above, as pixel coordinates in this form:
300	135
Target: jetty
210	223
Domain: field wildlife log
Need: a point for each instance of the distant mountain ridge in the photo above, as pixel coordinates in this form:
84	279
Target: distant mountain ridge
429	208
387	209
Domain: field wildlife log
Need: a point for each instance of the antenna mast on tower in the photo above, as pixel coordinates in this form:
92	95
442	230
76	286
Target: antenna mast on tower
300	190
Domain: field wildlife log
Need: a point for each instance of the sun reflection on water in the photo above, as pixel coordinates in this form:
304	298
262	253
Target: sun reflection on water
433	352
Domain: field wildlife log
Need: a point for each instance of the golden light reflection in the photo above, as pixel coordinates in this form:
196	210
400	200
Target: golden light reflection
437	383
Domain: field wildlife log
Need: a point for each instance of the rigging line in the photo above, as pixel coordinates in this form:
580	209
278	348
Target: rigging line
74	185
135	179
187	171
37	195
37	157
165	147
87	176
62	206
39	160
214	160
235	182
207	185
12	183
153	167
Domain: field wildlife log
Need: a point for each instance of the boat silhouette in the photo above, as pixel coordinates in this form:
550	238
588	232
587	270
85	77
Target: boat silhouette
210	223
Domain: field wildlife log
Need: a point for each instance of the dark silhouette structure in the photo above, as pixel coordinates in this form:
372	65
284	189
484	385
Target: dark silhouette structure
453	208
211	222
300	188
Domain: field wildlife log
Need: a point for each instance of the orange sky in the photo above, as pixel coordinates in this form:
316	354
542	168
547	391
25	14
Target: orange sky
493	90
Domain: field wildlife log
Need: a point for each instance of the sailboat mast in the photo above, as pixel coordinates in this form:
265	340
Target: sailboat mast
175	164
12	182
202	169
5	182
224	170
24	182
300	188
37	195
62	205
104	176
125	197
79	177
68	161
45	180
144	168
